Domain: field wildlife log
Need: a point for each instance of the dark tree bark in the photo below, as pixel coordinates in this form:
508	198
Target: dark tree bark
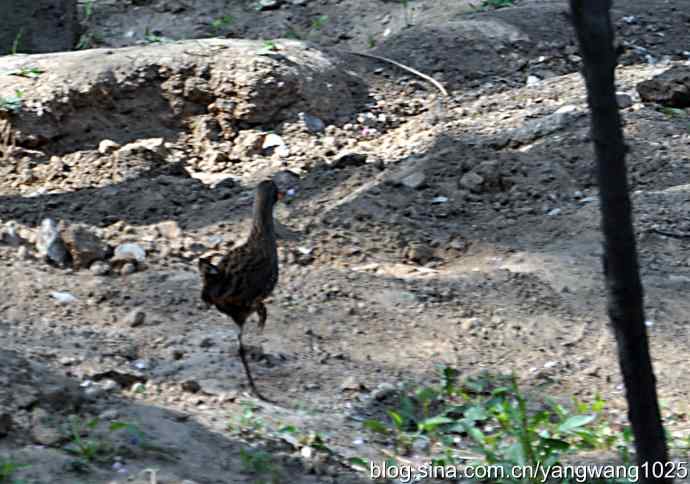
625	298
38	25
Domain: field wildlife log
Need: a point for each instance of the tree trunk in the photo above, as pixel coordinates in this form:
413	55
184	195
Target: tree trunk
32	26
625	298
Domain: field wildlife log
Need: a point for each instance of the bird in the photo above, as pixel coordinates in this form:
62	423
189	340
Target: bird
247	274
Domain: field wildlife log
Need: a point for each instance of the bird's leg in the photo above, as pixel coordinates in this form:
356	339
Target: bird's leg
243	357
261	311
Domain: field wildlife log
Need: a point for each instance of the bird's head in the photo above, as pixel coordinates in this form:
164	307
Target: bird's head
267	193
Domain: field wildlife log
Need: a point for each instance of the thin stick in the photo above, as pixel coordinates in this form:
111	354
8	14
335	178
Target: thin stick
430	79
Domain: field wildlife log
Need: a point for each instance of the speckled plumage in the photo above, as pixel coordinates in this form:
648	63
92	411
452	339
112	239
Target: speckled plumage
247	274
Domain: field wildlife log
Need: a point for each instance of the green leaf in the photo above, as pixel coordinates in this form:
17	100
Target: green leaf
358	462
516	454
555	444
397	419
575	422
475	434
430	424
117	425
376	426
476	413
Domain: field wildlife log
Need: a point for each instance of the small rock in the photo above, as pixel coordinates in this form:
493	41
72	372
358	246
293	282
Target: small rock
10	236
419	253
351	384
63	297
169	229
84	247
670	88
155	145
138	388
191	386
532	81
100	268
472	181
135	318
350	160
50	245
43	430
268	4
307	452
312	123
129	252
109	385
383	391
415	180
128	268
438	200
272	140
469	324
107	147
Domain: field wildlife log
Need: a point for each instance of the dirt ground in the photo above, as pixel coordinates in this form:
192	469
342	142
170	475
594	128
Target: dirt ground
390	267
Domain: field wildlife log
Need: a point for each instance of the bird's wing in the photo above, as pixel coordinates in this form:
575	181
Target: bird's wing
244	275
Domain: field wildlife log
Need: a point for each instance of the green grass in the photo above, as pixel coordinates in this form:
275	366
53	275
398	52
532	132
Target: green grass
8	469
28	72
494	418
496	4
17	41
220	23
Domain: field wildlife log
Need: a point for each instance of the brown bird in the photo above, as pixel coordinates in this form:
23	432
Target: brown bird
247	274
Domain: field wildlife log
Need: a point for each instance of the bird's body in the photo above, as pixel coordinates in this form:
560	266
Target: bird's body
247	274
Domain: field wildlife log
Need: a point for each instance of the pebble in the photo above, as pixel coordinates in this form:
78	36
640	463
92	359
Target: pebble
135	318
107	147
130	251
128	268
414	181
100	268
63	297
312	123
50	245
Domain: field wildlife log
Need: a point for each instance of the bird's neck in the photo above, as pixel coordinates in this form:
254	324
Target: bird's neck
262	225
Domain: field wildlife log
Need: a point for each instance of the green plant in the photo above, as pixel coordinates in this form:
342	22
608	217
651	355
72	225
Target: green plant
7	470
268	47
319	22
88	40
28	72
17	40
260	462
12	104
248	421
673	112
503	427
495	4
220	23
88	10
89	447
81	444
153	38
371	41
